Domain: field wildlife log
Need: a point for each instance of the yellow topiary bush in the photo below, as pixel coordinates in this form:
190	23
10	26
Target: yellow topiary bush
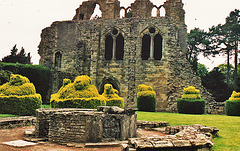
235	96
146	98
76	93
191	102
18	96
112	97
191	93
232	105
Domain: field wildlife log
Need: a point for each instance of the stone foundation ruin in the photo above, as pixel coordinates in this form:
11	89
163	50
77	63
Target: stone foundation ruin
64	126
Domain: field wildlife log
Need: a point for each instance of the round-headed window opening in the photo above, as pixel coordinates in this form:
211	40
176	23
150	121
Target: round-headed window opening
114	31
152	30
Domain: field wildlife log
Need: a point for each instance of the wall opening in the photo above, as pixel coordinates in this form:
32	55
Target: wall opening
58	59
108	47
162	11
119	47
122	12
158	47
128	13
111	81
97	14
154	12
146	41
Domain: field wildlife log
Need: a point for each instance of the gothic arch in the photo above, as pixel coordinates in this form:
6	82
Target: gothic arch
109	80
152	43
119	47
114	44
109	47
158	47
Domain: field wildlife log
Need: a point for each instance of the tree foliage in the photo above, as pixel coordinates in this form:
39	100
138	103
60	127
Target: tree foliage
214	82
225	41
16	57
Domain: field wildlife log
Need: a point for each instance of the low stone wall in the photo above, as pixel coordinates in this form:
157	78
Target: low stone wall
216	108
12	122
64	126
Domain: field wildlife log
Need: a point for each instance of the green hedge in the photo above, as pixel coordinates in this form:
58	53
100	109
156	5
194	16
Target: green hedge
146	103
38	75
146	98
188	106
232	108
115	102
90	103
20	105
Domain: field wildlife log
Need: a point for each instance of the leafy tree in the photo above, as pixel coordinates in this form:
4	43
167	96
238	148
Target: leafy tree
223	68
17	57
214	82
201	70
198	43
225	39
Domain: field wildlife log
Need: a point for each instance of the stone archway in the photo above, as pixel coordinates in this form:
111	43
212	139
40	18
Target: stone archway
109	80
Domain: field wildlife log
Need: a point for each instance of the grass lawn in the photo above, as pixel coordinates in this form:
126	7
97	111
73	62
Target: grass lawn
7	115
229	126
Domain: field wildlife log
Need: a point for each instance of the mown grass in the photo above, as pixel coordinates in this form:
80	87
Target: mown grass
229	134
7	115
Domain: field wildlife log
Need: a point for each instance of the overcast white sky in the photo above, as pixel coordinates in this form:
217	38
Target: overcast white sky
21	21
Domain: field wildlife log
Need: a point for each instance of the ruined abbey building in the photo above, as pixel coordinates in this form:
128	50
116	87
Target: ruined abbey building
124	52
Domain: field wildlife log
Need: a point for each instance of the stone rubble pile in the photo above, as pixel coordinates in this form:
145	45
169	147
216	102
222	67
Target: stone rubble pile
194	137
150	124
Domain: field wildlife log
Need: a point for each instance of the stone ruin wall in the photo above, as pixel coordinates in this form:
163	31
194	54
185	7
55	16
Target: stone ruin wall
82	46
64	126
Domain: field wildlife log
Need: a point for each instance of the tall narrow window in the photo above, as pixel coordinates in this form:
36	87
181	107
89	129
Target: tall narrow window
108	47
58	59
119	47
158	47
146	41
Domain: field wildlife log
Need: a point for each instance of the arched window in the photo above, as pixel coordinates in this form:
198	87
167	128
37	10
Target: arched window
58	59
154	12
114	82
108	47
162	11
158	47
119	47
146	41
122	12
97	13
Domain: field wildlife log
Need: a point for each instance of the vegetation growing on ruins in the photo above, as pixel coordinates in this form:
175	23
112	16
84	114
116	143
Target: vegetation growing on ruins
191	102
19	97
146	98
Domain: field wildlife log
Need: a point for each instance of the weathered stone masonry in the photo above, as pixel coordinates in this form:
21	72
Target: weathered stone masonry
124	52
86	125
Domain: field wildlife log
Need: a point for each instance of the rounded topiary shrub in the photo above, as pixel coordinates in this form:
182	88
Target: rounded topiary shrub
112	97
19	97
191	102
146	98
79	94
232	106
